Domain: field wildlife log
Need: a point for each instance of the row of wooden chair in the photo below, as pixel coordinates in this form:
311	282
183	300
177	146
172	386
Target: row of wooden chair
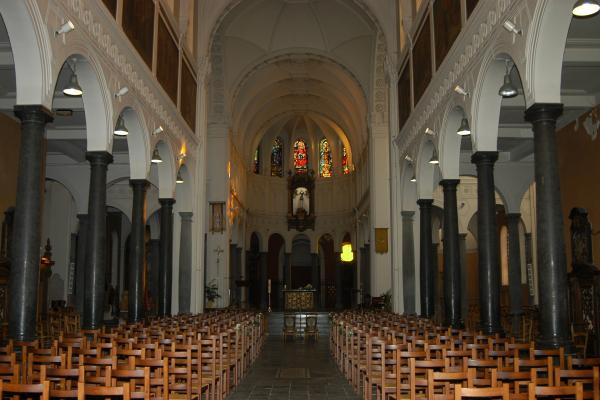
202	356
395	356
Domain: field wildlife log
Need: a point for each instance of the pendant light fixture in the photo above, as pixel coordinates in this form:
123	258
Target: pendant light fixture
413	178
156	157
73	89
464	129
586	8
434	158
179	178
121	129
507	89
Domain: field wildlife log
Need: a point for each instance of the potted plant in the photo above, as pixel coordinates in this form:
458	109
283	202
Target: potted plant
211	292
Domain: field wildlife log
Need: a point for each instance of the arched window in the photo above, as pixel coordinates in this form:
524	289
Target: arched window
256	161
345	166
300	157
277	157
325	163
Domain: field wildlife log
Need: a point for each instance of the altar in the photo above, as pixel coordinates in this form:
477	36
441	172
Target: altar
299	300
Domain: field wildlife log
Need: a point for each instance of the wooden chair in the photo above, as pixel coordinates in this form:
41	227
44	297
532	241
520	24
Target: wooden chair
83	391
482	392
536	392
289	326
590	378
137	378
41	390
580	339
440	385
311	329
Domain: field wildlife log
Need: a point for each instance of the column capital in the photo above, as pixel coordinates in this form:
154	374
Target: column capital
449	183
544	112
425	203
35	113
484	157
407	214
462	236
139	183
186	215
166	202
513	217
100	158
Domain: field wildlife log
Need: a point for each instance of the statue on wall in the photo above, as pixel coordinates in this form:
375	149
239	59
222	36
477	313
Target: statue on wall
301	200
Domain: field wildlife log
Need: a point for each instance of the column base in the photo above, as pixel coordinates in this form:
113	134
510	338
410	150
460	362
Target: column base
555	343
491	329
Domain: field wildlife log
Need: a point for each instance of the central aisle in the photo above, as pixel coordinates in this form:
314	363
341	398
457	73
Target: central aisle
294	370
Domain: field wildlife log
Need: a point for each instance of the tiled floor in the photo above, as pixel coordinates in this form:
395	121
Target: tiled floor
281	369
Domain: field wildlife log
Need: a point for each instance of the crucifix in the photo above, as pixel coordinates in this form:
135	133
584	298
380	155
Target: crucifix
218	250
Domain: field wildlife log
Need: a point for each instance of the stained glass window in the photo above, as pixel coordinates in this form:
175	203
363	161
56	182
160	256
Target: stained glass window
345	166
277	157
300	157
256	161
325	163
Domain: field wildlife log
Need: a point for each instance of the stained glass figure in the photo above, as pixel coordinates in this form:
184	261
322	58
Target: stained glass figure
345	166
277	157
256	161
325	163
300	157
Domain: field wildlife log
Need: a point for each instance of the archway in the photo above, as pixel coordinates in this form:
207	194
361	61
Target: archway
275	265
301	262
328	263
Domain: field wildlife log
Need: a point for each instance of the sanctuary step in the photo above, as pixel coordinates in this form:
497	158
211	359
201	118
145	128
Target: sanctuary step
275	320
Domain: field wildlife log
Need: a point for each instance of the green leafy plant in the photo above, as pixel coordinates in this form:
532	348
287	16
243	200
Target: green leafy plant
211	291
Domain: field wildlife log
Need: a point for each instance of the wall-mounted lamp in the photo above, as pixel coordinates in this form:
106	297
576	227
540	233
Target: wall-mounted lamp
64	28
122	92
181	156
156	159
408	158
461	90
429	132
347	255
120	128
511	27
158	131
586	8
464	129
434	158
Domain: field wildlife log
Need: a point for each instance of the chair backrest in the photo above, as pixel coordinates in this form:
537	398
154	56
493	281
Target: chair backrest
289	321
311	322
18	389
482	392
84	390
536	391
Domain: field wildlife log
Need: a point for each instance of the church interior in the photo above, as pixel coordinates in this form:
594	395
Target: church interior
289	199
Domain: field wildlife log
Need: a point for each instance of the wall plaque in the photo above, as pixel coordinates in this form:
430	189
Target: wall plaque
381	240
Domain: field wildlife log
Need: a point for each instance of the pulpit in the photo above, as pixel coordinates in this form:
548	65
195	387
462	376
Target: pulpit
584	280
299	299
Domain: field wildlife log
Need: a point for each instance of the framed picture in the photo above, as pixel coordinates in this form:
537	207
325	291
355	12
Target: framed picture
381	240
217	221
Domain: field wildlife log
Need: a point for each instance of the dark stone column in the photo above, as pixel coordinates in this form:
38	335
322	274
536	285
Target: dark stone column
286	269
262	264
316	274
464	300
165	274
452	286
487	235
233	273
408	261
552	265
80	262
137	251
185	262
427	273
339	299
95	254
25	253
529	264
514	271
239	276
154	256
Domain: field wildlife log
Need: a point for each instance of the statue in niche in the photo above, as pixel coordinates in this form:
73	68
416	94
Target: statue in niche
301	201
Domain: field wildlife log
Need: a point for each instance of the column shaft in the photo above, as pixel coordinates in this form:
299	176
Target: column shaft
153	271
551	260
25	252
316	274
427	273
262	263
339	299
464	300
514	271
137	251
95	254
408	261
80	262
452	286
185	262
166	257
487	235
